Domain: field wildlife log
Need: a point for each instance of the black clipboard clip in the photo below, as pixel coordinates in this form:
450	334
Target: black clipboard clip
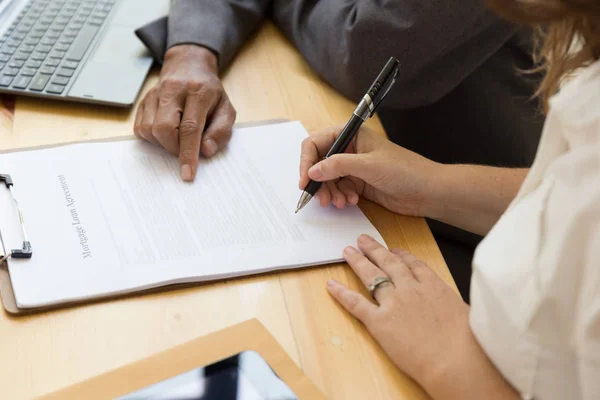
26	251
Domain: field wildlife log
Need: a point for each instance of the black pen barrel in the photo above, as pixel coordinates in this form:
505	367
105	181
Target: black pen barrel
365	109
339	146
312	187
343	140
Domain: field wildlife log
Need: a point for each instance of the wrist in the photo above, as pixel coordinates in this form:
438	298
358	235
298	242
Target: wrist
466	373
472	197
433	196
194	53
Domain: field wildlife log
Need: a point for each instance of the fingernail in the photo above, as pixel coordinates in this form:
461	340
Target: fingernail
315	172
186	173
364	238
332	282
353	199
350	251
210	147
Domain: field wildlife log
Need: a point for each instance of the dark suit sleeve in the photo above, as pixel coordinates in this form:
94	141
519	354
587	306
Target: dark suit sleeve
438	43
220	25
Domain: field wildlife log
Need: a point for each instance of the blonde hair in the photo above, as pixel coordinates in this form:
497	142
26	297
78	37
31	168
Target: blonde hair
568	36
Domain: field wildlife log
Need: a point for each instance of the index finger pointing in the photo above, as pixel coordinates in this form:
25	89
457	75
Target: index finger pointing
190	135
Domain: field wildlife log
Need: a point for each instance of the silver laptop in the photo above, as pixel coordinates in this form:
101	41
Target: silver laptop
77	50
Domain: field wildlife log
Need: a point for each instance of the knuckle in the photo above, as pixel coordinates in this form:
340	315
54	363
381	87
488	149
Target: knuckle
353	303
390	258
214	84
152	92
194	85
188	127
187	153
417	264
171	83
232	113
335	164
221	132
305	148
163	129
213	88
308	144
145	128
400	252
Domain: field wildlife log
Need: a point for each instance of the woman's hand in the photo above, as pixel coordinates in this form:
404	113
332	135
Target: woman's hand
372	167
420	323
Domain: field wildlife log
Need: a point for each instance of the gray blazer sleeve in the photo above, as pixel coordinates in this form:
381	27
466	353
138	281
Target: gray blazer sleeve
439	43
220	25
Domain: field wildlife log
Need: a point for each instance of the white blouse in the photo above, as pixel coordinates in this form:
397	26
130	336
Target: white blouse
535	292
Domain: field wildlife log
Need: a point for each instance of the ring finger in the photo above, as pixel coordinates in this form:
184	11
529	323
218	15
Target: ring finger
337	198
149	113
348	188
367	272
324	196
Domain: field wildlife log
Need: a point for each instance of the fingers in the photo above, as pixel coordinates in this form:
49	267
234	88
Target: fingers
146	116
367	272
218	133
188	99
317	145
324	196
349	189
324	139
171	101
340	194
389	262
337	197
314	149
139	116
341	165
355	303
309	155
190	135
419	269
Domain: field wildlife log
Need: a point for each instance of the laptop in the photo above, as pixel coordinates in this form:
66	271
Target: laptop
76	50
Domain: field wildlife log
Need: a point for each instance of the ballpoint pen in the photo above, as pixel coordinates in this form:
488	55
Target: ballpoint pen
365	109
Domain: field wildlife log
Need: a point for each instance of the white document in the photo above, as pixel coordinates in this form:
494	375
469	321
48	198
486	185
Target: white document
112	218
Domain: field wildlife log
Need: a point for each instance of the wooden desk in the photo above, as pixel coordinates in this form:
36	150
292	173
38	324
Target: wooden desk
42	353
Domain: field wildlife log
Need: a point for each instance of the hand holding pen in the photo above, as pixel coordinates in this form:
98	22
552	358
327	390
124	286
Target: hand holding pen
365	109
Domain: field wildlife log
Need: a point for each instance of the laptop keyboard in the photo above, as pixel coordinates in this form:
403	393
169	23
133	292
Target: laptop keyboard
43	47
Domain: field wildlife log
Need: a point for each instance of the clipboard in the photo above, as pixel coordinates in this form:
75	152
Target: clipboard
7	294
206	350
